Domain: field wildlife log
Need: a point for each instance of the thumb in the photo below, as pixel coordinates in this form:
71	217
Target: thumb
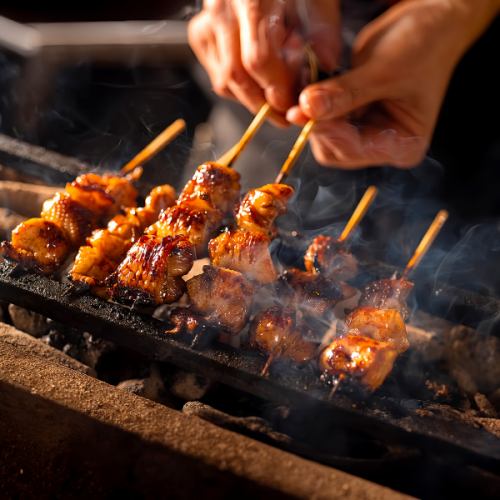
336	97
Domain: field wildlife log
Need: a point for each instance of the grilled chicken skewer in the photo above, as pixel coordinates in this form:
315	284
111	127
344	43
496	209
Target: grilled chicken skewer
375	331
43	243
106	248
330	257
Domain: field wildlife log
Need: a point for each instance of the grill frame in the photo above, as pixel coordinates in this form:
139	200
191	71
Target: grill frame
380	416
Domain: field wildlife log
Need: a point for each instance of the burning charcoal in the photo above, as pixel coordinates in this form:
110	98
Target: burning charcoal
252	426
23	198
8	221
494	397
28	321
189	386
485	406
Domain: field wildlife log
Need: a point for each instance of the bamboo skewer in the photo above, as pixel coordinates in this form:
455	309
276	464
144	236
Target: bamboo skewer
230	156
358	214
426	242
155	146
297	148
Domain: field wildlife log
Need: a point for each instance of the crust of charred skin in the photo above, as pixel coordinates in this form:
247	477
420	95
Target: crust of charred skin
198	225
367	360
311	293
275	332
212	187
151	273
329	258
221	297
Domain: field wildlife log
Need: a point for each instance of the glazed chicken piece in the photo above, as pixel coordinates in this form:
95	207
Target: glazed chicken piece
275	333
106	248
220	298
74	219
379	324
151	273
212	186
246	252
326	256
197	225
246	249
312	293
102	194
363	358
388	294
38	244
262	206
205	200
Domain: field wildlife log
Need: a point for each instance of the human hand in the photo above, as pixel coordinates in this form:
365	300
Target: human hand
253	50
384	110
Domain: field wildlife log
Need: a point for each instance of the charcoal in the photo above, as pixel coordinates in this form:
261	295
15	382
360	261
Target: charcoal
151	387
28	321
485	406
8	221
189	386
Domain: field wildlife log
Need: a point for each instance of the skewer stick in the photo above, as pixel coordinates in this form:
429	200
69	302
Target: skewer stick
295	152
359	213
230	156
155	146
426	242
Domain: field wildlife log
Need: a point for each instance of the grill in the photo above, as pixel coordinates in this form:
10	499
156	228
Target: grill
241	369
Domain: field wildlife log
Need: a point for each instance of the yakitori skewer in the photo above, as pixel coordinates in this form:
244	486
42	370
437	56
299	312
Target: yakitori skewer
375	331
330	256
43	243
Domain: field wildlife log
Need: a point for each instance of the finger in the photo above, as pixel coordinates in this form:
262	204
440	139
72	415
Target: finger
296	116
203	43
262	36
231	73
339	96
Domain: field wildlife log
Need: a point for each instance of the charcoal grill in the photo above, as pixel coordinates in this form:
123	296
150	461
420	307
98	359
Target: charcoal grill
378	415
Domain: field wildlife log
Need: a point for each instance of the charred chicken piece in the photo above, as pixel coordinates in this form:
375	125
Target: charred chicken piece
37	243
312	293
151	273
246	252
221	297
212	186
387	294
275	333
246	249
363	358
107	247
103	194
326	256
74	219
197	225
379	324
261	206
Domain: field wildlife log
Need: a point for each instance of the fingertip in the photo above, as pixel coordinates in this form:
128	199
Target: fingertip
278	98
296	116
